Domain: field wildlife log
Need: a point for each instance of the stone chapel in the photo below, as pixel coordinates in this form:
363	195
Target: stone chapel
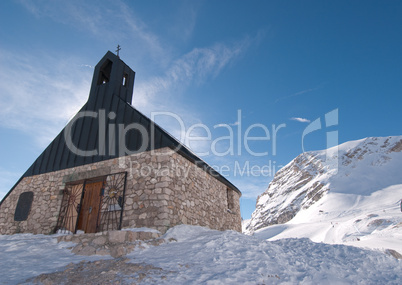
111	167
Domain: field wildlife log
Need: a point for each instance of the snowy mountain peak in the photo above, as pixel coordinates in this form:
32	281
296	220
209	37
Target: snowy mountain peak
358	167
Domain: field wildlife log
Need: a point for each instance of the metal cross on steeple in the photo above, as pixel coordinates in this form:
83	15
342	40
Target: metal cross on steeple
117	50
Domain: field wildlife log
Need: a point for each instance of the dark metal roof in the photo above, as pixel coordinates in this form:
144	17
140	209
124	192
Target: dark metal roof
110	104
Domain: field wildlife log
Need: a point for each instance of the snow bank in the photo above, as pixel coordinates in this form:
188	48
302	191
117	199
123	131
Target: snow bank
203	256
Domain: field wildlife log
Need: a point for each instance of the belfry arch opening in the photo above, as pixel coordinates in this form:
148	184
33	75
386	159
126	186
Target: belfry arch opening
104	73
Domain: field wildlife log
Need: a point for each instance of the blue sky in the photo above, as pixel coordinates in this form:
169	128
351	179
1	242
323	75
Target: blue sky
281	63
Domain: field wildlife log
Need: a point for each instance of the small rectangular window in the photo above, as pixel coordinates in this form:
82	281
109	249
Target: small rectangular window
230	199
125	80
23	206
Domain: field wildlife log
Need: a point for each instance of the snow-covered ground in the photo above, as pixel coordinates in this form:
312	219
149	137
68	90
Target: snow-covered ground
373	221
27	255
203	256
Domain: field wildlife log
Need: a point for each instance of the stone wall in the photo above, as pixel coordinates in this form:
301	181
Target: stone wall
48	194
170	190
163	189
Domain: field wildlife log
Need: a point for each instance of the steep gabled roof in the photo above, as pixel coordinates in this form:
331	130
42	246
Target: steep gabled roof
93	130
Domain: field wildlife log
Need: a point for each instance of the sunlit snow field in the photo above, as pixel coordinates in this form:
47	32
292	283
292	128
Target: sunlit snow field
203	256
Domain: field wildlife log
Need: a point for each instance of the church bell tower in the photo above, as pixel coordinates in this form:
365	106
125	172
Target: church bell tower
112	77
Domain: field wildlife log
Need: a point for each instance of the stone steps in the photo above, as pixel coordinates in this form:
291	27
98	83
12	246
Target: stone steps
114	243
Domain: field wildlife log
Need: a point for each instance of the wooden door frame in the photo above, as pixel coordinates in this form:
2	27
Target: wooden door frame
84	191
110	182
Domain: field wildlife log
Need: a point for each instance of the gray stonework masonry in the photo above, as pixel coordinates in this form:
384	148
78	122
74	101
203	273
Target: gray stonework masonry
114	243
163	189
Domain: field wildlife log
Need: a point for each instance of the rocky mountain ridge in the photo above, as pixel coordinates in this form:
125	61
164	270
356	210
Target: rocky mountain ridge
359	167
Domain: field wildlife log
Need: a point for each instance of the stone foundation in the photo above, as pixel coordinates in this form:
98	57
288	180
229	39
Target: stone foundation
114	243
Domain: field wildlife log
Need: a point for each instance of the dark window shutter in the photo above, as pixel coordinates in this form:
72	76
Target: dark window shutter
23	206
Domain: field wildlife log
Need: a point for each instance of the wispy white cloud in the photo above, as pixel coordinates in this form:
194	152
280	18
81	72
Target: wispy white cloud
87	65
162	93
119	21
136	28
195	67
82	14
298	93
112	21
175	72
226	125
301	120
39	94
222	125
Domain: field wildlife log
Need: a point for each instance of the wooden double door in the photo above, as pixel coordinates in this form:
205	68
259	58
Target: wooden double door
90	205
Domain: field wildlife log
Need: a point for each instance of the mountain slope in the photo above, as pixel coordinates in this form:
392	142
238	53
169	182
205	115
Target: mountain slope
373	221
356	169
